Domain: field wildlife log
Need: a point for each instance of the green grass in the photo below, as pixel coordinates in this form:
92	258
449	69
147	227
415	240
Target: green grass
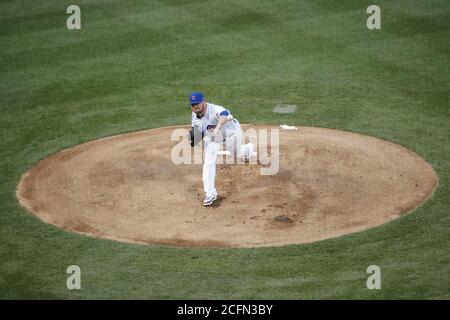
131	67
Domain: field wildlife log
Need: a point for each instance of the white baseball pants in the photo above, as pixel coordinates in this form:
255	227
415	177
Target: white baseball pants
233	142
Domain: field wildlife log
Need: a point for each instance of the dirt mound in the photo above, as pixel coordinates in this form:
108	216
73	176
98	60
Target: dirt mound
127	188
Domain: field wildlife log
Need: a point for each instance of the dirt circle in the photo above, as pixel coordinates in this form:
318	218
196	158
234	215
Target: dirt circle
126	188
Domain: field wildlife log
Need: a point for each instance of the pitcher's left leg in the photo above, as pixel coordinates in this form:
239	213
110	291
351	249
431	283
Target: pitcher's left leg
234	144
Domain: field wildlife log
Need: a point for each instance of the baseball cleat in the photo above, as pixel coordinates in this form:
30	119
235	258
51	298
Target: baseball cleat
209	201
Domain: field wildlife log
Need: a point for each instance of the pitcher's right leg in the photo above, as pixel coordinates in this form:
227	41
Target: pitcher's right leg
209	170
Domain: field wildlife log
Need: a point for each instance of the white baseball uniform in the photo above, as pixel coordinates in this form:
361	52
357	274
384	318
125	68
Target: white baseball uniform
231	135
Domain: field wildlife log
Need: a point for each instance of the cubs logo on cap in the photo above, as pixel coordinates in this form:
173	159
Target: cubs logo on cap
196	98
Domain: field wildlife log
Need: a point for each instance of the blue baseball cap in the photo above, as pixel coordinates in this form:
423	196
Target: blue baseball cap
196	98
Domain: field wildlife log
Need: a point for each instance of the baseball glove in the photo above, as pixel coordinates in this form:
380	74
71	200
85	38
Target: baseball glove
195	136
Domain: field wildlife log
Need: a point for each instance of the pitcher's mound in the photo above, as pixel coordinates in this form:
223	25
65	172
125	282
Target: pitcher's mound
127	188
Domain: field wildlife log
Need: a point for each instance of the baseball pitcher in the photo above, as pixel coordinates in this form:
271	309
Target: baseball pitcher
217	126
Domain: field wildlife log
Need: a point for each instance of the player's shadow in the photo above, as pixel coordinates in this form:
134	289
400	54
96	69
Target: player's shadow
217	203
